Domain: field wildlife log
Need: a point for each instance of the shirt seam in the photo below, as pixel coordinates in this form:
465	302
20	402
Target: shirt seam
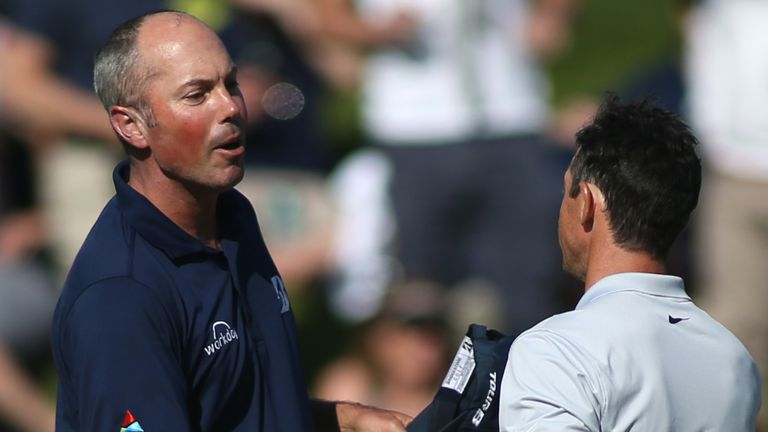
65	316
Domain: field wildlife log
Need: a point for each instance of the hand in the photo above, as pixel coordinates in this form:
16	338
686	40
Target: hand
360	418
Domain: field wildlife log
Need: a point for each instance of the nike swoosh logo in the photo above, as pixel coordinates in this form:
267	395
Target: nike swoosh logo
673	320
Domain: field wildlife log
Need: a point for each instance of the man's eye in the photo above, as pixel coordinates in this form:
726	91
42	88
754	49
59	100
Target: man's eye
195	96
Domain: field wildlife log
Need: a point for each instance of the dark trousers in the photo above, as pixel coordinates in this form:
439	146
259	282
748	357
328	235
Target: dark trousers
483	209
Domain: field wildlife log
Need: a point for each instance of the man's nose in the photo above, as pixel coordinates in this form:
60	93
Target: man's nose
233	106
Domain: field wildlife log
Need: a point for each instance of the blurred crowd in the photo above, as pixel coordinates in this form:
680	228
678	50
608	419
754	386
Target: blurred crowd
405	159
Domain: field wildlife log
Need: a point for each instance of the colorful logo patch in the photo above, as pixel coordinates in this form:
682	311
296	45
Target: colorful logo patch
130	424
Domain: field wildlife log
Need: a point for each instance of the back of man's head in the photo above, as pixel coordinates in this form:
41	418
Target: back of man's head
644	161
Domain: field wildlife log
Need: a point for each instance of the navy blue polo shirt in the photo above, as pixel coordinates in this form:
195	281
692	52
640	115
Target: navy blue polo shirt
184	337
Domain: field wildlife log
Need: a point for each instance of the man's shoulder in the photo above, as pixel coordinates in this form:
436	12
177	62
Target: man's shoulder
114	256
590	332
106	251
632	327
569	324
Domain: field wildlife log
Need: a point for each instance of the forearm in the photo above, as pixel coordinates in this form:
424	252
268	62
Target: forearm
339	21
44	102
299	18
37	99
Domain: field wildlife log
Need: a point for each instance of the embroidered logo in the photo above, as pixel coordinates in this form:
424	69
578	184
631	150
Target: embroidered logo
673	320
130	424
222	335
282	295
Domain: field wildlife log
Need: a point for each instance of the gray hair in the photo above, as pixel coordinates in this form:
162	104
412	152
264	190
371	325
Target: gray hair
118	76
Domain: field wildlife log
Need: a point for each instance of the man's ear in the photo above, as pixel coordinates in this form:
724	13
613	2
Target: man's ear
129	125
586	202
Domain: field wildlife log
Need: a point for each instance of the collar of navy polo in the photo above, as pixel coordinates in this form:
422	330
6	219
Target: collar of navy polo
151	223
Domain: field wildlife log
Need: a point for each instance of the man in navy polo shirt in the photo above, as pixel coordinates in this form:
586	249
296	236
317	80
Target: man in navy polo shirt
173	317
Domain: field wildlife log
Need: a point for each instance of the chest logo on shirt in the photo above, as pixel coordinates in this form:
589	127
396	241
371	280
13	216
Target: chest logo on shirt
222	335
673	320
282	295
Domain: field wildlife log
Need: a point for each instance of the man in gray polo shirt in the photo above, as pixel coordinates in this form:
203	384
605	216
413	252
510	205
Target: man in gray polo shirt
636	354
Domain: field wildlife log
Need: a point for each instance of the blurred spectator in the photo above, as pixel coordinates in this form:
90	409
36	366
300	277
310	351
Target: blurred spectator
51	78
362	266
727	66
664	81
27	296
288	155
401	357
453	95
21	403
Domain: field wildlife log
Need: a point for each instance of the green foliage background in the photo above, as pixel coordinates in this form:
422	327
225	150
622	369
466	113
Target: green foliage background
612	41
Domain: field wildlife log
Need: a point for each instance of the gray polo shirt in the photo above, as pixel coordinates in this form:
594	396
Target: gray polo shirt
636	354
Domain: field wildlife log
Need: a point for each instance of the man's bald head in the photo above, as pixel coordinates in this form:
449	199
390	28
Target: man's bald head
120	76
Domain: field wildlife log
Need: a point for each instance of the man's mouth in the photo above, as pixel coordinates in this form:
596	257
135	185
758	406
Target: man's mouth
232	145
232	142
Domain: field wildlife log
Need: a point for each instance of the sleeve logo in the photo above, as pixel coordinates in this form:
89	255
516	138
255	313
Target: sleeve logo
130	424
282	295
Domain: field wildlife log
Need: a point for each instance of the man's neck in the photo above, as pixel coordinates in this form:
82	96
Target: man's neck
605	257
193	210
614	260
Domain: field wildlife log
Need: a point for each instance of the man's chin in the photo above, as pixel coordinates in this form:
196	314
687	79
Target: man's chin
233	176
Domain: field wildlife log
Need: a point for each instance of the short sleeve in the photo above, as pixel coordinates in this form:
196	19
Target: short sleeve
120	351
548	385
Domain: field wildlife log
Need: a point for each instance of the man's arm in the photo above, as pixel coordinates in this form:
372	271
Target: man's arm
351	417
117	350
38	99
339	20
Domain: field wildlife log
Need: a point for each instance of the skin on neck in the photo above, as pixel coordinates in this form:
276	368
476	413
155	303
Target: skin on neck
607	258
604	257
192	209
